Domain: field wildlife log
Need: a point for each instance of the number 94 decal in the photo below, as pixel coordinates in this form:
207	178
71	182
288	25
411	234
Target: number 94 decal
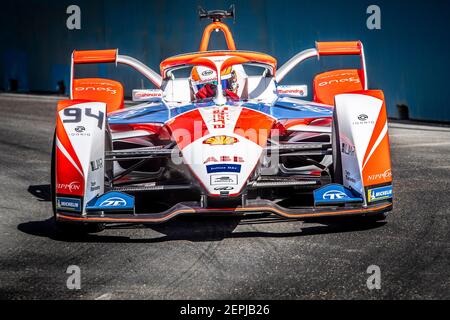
74	115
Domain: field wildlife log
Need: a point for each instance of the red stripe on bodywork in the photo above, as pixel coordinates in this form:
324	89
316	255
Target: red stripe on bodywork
254	126
377	170
68	178
61	133
187	128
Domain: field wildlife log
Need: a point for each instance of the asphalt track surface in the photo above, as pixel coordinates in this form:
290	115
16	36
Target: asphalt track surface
223	258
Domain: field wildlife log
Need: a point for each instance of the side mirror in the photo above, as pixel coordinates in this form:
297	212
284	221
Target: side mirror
295	91
147	95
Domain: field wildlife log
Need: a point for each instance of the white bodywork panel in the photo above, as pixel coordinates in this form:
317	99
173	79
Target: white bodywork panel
356	116
87	137
243	153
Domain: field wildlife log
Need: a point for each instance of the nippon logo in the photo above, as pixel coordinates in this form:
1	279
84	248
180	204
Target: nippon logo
114	202
73	186
386	175
334	195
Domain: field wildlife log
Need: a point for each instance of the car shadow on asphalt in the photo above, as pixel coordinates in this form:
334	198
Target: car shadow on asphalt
201	229
42	192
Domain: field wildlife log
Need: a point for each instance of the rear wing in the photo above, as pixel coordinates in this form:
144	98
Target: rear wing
327	49
110	56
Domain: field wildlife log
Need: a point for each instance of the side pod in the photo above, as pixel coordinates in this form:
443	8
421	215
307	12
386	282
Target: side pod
80	153
361	152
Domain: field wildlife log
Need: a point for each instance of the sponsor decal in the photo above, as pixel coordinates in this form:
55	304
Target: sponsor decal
224	159
225	167
73	186
348	176
363	119
223	188
380	193
96	164
147	94
94	186
220	117
70	204
207	73
334	195
220	140
386	175
223	179
80	129
335	81
114	202
293	90
347	149
108	89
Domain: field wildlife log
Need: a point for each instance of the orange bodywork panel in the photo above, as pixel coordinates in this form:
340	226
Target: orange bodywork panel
377	164
97	89
95	56
339	48
200	58
217	26
328	84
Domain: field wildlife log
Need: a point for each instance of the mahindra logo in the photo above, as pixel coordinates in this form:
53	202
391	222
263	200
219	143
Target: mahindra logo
284	91
73	186
148	94
362	117
385	175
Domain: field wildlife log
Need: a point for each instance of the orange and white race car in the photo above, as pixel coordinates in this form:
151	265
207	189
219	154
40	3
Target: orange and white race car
220	133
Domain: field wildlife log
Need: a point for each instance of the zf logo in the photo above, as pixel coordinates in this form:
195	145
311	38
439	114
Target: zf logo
114	202
334	195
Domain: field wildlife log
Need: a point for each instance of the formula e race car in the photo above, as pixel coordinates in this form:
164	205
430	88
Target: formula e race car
220	134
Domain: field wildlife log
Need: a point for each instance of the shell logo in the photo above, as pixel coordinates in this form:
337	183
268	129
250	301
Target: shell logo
221	140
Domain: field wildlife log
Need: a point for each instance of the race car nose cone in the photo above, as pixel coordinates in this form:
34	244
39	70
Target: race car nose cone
225	148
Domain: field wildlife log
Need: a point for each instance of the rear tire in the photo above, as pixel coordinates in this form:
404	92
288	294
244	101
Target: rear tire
68	228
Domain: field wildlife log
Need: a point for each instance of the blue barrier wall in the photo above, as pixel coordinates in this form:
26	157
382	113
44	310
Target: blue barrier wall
407	58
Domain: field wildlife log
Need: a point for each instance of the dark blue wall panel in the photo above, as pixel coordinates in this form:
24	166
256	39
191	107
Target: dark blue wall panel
407	58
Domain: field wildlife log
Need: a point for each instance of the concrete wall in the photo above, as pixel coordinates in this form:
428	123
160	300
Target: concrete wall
407	58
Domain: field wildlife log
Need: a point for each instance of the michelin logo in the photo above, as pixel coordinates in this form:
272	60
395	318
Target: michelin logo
70	204
380	193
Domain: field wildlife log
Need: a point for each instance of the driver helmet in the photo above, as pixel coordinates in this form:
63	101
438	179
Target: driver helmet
200	76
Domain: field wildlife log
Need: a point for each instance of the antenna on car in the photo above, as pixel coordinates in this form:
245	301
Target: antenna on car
217	15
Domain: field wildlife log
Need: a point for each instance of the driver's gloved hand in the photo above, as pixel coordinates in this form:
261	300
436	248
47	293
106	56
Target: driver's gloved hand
207	91
231	94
